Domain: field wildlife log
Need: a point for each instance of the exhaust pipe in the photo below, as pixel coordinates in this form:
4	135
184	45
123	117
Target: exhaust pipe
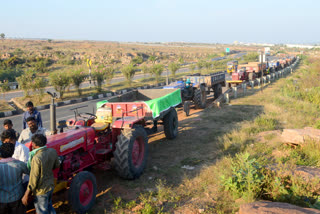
53	128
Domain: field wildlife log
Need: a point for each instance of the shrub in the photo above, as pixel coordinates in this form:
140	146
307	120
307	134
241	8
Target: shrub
99	74
157	71
77	77
247	178
60	82
173	67
128	72
38	84
25	81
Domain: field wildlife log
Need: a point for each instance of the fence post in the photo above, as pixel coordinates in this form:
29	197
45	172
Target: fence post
235	90
226	98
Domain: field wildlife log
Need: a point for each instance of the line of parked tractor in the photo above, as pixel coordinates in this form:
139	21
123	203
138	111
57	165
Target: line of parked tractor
117	135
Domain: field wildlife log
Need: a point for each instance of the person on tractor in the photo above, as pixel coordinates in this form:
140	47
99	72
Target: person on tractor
31	112
42	161
32	129
11	185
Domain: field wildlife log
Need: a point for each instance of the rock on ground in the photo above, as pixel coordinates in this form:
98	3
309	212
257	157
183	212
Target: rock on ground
268	207
299	136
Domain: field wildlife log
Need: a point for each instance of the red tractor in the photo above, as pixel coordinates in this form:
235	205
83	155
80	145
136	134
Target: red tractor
118	130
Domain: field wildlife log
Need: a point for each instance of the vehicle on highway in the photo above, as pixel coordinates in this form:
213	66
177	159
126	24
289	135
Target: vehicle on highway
118	130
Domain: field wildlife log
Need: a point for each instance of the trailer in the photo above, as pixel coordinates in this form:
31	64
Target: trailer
118	130
196	87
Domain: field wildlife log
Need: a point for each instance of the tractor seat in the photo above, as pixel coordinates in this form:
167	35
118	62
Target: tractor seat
100	126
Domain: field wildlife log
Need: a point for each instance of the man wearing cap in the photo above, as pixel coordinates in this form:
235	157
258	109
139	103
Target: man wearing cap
7	125
31	112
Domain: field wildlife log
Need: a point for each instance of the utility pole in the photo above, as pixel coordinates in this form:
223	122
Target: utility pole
261	76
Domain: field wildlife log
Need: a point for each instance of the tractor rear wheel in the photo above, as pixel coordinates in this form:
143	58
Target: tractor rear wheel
217	91
200	98
131	152
170	124
82	192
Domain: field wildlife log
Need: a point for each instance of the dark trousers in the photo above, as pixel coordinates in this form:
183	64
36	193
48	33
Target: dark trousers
15	207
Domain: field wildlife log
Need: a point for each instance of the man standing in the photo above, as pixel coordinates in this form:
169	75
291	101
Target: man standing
7	125
33	129
41	182
31	112
11	188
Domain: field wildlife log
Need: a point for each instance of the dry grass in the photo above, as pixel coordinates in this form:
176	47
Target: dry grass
4	106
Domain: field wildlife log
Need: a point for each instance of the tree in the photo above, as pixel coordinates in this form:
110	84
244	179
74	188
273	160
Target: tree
49	40
5	88
173	67
145	70
99	74
208	65
157	71
25	81
60	82
109	74
137	60
128	72
200	65
77	77
153	59
181	60
192	66
38	85
2	35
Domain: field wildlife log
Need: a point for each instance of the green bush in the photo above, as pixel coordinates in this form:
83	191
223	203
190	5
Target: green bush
60	81
128	72
157	70
247	178
77	77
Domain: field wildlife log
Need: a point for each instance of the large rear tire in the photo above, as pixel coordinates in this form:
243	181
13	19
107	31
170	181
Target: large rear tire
170	124
131	152
82	192
200	98
217	91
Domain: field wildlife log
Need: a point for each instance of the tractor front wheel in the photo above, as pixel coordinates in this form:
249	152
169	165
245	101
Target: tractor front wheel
131	152
82	192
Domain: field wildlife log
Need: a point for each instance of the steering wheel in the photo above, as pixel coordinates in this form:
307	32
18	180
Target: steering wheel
87	115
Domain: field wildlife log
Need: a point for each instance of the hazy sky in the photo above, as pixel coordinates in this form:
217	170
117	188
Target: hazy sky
221	21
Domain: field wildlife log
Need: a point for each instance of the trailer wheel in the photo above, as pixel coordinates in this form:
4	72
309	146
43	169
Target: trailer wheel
131	152
82	192
217	90
200	98
170	124
186	108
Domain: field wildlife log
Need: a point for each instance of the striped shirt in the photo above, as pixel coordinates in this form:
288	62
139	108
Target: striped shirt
11	171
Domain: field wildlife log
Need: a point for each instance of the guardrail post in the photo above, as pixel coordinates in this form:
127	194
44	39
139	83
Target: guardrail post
235	91
252	84
226	98
244	88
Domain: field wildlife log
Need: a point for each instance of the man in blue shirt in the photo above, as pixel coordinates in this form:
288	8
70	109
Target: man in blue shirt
31	112
11	188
